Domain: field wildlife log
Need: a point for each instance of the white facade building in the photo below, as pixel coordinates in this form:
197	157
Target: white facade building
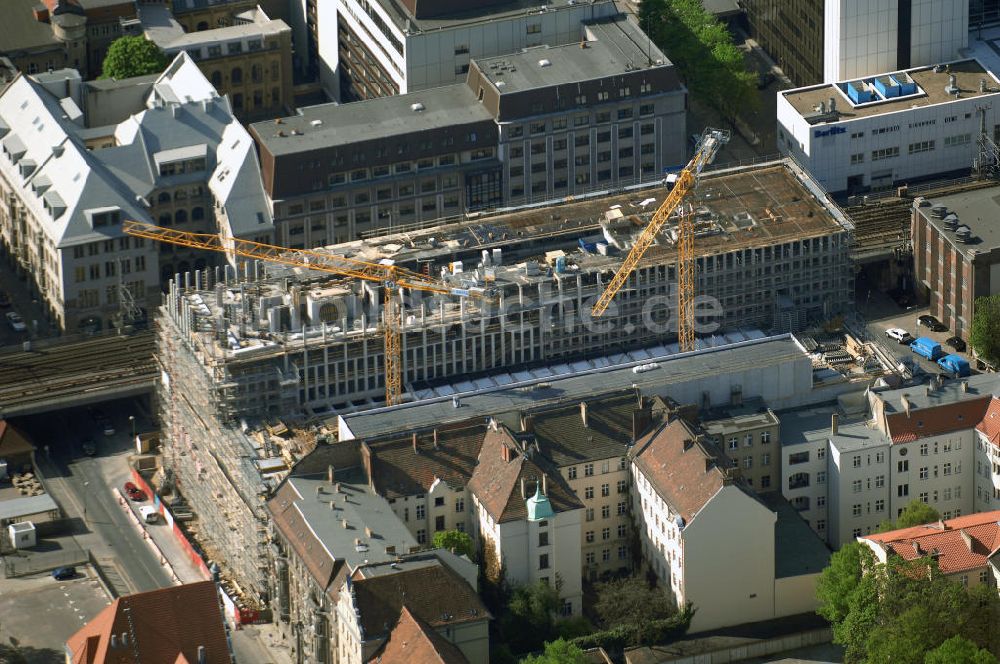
392	49
863	37
874	132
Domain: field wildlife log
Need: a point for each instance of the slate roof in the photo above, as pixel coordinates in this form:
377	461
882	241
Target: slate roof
413	640
433	591
166	627
936	420
496	480
962	544
566	440
397	471
20	31
683	468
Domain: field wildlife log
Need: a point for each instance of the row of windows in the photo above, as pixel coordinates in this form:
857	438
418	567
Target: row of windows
81	272
622	487
765	438
606	511
589	536
591	557
108	246
588	468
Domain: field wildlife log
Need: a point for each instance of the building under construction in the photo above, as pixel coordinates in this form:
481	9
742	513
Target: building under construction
242	348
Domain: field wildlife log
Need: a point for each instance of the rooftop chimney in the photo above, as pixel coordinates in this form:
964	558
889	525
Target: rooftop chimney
114	641
415	450
343	522
368	532
524	493
583	413
436	439
545	484
833	104
906	404
967	539
965	386
201	655
329	473
917	549
527	423
834	422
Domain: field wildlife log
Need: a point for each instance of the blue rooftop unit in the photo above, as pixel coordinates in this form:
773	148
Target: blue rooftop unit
891	86
857	92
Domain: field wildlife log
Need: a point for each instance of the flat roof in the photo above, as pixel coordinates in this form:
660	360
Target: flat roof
403	19
978	209
616	46
979	386
17	508
968	74
338	125
573	385
20	31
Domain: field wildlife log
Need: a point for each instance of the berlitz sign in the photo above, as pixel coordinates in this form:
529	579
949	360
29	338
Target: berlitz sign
820	133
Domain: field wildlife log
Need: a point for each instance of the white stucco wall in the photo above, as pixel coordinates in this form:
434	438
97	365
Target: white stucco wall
795	594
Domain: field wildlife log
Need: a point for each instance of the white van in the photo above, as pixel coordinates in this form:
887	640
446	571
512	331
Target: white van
149	514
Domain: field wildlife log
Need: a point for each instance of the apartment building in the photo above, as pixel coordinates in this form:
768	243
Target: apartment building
962	547
345	566
749	435
835	40
695	517
188	163
249	59
543	124
361	49
956	257
872	132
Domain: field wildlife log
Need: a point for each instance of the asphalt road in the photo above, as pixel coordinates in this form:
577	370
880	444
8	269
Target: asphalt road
79	484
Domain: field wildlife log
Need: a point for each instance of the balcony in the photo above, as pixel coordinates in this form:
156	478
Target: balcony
798	481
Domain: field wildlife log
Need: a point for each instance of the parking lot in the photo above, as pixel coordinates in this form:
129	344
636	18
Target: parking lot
38	614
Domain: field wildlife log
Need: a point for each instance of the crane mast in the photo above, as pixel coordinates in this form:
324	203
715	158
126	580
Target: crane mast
390	277
711	142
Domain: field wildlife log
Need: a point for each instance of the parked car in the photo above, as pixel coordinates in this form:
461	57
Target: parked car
932	323
149	514
134	492
956	365
956	343
927	347
89	446
16	322
4	300
899	335
63	573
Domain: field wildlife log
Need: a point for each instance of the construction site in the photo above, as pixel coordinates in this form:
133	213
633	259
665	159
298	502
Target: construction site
250	356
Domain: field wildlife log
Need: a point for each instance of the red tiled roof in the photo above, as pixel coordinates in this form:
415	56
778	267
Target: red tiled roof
434	593
962	544
164	626
989	426
496	481
398	471
413	640
681	468
936	420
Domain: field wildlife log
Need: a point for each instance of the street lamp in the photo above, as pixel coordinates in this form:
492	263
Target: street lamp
131	419
85	492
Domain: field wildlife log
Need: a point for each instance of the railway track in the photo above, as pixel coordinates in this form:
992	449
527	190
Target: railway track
74	370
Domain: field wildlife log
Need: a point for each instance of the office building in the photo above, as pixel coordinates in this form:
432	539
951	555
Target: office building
871	133
540	125
836	40
956	255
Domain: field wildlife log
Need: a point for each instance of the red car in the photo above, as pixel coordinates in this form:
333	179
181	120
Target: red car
134	492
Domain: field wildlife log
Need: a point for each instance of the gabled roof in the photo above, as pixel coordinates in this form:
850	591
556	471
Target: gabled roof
683	469
433	591
504	461
989	426
397	470
936	420
566	440
413	640
163	626
960	544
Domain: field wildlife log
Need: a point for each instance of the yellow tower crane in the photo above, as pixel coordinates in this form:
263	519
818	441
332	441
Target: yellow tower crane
391	277
711	141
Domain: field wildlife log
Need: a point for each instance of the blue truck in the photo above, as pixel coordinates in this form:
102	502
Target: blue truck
956	365
927	347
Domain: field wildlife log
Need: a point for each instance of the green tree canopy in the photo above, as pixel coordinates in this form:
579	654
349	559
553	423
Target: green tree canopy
454	540
632	603
558	652
702	49
840	579
133	56
984	335
916	513
529	620
958	650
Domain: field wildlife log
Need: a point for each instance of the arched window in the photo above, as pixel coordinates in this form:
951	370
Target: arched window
180	217
237	75
164	197
217	79
165	219
197	214
256	73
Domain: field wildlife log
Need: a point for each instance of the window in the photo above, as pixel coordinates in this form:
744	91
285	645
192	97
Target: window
923	473
857	158
543	538
591	558
765	459
856	486
765	437
748	462
438	523
588	493
622	486
921	146
461	49
438	501
622	508
571	472
605	511
588	470
821	477
590	514
421	512
923	497
879	481
646	109
765	481
605	490
589	536
622	530
606	555
543	561
923	451
421	536
605	533
903	490
820	525
885	153
903	466
962	139
856	461
797	458
734	443
460	504
821	501
534	28
946	469
856	509
879	505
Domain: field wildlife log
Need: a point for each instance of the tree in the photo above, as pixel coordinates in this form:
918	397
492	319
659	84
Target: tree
633	604
958	650
984	335
702	49
454	540
917	513
838	582
529	620
133	56
558	652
